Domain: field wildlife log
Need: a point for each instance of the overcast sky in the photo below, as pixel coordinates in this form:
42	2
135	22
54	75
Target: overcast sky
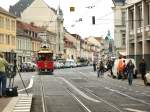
102	12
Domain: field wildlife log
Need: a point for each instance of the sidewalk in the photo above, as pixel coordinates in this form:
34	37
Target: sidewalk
137	81
21	103
4	102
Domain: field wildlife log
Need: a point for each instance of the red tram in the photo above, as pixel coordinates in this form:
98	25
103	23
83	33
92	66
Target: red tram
45	61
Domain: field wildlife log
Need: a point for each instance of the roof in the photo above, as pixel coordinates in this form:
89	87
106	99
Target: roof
30	27
93	41
45	50
99	39
19	7
3	11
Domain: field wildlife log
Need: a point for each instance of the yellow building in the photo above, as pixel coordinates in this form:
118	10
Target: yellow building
7	31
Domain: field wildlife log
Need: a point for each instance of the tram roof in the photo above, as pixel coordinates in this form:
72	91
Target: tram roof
45	50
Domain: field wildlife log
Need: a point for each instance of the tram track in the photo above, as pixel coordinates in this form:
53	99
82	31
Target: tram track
96	96
82	105
118	91
44	104
68	90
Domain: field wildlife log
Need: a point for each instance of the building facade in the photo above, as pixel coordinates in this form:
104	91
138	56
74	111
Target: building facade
27	43
119	27
51	19
138	30
7	31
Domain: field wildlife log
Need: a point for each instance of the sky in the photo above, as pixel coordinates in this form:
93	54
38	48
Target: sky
102	11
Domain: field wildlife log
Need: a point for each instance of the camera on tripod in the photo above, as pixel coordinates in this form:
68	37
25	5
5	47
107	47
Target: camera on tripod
12	66
11	73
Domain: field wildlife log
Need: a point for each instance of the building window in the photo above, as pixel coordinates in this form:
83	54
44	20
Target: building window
123	18
13	25
1	22
123	39
148	6
131	20
1	38
13	40
8	39
17	44
139	19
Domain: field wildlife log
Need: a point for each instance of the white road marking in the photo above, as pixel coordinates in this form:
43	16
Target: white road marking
83	74
79	91
88	110
134	110
130	97
103	100
129	104
29	86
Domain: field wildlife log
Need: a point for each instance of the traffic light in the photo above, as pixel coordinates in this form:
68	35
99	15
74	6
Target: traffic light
72	9
93	20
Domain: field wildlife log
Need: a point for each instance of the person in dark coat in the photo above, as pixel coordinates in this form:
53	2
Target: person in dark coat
142	68
94	65
100	71
109	67
130	71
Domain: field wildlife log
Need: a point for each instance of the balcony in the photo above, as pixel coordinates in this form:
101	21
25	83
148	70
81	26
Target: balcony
147	28
131	40
131	32
139	39
139	30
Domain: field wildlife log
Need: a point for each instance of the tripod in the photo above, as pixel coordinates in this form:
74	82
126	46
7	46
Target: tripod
12	71
22	81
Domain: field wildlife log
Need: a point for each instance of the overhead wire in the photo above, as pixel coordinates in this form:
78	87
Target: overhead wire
96	2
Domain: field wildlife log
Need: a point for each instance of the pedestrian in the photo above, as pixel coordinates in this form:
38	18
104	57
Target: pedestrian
120	68
3	78
100	69
94	65
130	70
142	69
109	67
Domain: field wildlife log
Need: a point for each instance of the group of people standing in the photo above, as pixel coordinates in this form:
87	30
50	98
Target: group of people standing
124	70
101	68
127	70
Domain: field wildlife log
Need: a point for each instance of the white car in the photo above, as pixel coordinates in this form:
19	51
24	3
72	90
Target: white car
147	79
57	65
70	63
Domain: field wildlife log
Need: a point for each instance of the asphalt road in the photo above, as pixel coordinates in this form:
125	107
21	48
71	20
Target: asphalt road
79	90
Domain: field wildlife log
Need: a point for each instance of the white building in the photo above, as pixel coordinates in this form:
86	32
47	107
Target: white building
138	30
119	26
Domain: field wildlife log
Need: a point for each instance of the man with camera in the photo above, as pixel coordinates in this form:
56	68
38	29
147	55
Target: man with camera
3	78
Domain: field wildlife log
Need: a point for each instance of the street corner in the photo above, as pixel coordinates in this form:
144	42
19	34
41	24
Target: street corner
18	104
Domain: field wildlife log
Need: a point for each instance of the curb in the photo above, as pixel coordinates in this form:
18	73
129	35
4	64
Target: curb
22	103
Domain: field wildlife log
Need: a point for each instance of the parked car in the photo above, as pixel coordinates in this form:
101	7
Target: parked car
61	65
70	63
147	79
57	65
67	64
28	67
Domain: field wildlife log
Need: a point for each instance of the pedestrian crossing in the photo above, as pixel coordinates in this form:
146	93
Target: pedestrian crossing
22	103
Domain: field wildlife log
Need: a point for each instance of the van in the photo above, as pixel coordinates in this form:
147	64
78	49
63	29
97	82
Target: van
70	63
114	69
